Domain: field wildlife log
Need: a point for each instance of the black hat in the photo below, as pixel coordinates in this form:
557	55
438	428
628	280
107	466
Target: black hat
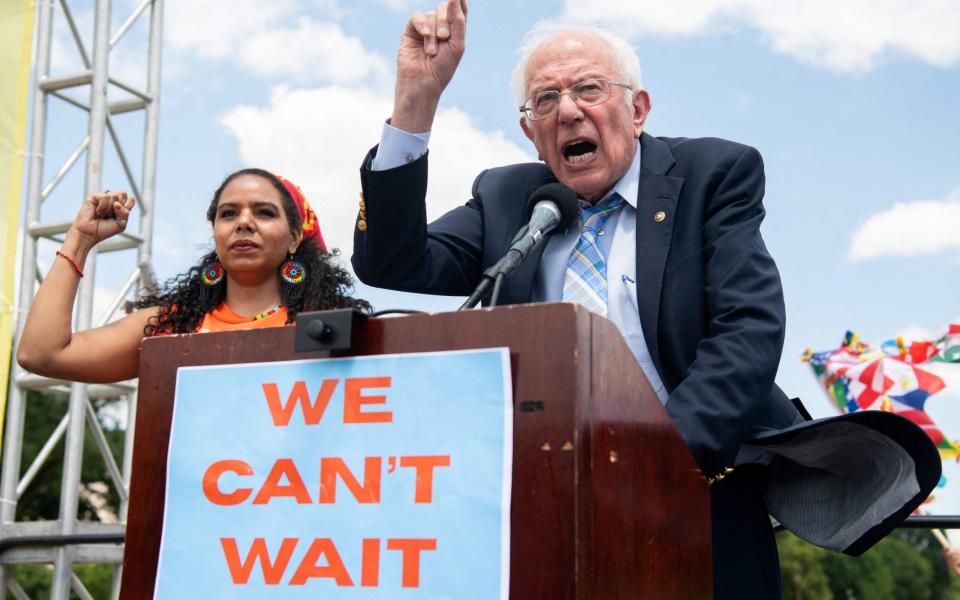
845	482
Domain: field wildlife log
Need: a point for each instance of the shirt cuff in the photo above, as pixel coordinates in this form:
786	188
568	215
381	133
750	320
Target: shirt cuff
398	147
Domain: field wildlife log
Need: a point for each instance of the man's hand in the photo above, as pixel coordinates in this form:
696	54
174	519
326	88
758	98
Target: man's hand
430	50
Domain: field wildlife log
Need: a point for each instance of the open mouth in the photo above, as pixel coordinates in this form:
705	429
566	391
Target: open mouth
579	150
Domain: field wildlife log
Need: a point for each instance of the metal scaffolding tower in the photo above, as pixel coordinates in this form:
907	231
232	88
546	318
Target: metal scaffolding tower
97	95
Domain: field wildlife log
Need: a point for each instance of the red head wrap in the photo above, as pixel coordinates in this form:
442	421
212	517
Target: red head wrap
308	218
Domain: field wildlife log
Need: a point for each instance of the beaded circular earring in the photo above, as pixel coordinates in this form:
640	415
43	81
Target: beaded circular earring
212	273
293	271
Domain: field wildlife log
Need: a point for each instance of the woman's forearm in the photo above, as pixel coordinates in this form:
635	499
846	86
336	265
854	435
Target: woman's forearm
48	329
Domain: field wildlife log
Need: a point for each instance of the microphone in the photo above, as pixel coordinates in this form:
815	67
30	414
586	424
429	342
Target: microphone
551	207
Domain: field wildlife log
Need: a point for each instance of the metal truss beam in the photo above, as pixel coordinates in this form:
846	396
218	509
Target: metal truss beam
67	539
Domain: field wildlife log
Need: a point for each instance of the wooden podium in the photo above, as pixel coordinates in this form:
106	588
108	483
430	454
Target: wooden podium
607	500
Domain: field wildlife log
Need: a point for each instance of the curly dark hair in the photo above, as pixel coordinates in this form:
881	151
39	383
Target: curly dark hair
185	299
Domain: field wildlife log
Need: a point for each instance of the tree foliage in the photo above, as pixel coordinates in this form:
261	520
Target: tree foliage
41	500
801	570
906	565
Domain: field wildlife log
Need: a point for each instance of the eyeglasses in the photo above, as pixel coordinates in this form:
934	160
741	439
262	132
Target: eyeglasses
588	92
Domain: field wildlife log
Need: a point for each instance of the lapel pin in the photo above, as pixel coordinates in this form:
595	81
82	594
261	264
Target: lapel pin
660	216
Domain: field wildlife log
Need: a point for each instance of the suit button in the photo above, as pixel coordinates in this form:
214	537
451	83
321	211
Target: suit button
660	216
362	225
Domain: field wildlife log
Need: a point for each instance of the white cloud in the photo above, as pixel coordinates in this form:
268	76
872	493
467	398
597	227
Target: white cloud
404	5
846	35
312	51
213	29
681	17
269	40
916	228
319	137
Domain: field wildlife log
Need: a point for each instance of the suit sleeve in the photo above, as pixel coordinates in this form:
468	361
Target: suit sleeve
724	395
395	249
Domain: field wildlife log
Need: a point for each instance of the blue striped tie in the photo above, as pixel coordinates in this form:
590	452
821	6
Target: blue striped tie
586	278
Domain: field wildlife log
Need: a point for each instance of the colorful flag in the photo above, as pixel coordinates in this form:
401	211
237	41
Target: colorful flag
855	377
949	345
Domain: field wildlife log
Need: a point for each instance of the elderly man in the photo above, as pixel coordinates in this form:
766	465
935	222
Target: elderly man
671	225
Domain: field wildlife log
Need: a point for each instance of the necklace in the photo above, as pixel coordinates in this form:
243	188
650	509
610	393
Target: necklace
266	313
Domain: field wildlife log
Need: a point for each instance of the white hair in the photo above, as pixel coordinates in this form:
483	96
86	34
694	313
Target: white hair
622	53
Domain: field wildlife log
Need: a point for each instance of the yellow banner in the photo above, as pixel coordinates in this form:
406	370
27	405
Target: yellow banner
16	40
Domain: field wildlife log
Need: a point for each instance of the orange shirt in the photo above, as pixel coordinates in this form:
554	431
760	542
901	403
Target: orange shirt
223	319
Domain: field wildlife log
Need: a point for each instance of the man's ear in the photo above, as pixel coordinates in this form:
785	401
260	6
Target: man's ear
641	108
528	131
526	128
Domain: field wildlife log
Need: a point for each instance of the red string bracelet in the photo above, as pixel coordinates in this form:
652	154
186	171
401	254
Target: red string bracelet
72	262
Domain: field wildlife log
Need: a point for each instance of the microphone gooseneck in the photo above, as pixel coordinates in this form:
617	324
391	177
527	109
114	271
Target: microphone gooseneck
551	207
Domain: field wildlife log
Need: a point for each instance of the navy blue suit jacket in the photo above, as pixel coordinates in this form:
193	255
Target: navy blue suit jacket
708	292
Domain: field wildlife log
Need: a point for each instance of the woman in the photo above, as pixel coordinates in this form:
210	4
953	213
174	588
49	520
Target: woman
268	264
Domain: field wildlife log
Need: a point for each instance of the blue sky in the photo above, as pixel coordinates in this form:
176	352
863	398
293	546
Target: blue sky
852	103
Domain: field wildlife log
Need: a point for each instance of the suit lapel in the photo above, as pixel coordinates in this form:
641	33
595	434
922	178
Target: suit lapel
657	200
